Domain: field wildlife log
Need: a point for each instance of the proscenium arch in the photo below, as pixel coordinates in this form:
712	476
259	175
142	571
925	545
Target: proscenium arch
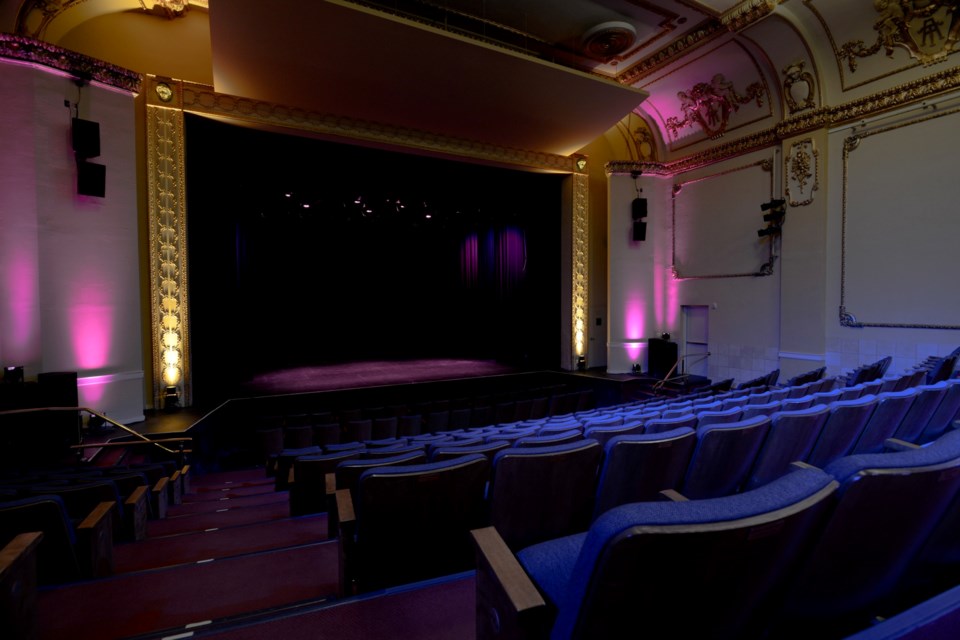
168	100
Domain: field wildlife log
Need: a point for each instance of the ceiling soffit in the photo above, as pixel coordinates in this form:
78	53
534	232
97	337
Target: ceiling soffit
393	71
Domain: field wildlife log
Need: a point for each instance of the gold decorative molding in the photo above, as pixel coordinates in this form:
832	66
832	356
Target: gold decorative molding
35	16
802	171
169	312
580	309
27	49
807	121
203	99
705	32
747	13
796	79
928	30
710	104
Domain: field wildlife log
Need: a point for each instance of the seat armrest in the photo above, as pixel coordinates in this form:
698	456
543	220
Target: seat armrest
135	514
799	464
509	605
330	499
18	586
346	525
159	499
672	495
95	541
895	444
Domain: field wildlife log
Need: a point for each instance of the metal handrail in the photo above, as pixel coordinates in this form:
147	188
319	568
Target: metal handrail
144	439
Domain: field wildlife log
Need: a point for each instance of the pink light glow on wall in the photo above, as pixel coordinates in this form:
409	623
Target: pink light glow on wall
634	326
21	306
90	330
666	297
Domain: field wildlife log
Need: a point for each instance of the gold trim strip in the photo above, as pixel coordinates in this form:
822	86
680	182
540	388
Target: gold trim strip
168	253
580	302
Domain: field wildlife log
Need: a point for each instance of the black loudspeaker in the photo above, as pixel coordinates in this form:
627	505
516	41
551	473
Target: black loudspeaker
91	179
638	209
661	356
639	231
86	138
59	429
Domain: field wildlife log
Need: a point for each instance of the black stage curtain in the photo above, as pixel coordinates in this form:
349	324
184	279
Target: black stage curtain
304	252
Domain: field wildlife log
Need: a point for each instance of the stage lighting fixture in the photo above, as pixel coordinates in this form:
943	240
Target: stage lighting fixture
773	204
769	231
12	375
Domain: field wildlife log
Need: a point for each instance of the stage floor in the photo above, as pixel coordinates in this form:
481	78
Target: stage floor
351	375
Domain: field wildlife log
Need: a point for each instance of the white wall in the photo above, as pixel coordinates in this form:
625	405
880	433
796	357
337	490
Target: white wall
893	231
70	285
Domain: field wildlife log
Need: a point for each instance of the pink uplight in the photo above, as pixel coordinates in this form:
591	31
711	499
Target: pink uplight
90	329
634	322
21	304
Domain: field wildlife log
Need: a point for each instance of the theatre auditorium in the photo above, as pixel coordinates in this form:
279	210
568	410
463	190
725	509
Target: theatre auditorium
479	319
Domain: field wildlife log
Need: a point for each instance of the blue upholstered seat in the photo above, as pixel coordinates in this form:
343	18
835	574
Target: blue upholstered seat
892	406
641	566
723	457
887	505
935	619
539	493
791	438
842	429
636	468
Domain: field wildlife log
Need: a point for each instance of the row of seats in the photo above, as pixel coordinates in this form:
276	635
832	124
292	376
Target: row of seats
815	553
81	511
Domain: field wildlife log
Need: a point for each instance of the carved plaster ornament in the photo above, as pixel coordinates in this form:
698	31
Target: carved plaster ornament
927	29
799	87
802	171
710	104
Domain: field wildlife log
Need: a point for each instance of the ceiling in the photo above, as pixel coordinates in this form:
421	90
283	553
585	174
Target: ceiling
540	75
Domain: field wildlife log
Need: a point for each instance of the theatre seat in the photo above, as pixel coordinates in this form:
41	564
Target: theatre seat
691	569
886	507
410	523
723	457
791	438
637	468
68	551
842	429
539	493
935	619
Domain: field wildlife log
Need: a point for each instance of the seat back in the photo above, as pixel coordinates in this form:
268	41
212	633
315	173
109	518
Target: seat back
723	457
935	619
659	425
639	563
604	434
413	522
57	560
549	440
723	416
928	399
456	450
791	438
765	409
945	414
636	468
540	493
308	491
842	429
887	504
348	472
892	406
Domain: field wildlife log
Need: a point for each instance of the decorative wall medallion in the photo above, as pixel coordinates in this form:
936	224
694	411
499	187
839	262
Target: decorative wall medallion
927	29
709	104
802	168
799	87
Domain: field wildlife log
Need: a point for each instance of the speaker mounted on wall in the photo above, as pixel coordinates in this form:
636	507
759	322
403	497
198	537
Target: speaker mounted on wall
91	179
638	211
86	138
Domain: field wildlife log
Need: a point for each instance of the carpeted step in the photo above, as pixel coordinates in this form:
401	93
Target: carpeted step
171	550
223	517
143	602
442	609
208	506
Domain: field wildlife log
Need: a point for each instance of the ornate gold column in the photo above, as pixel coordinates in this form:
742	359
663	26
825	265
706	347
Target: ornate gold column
580	261
168	244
